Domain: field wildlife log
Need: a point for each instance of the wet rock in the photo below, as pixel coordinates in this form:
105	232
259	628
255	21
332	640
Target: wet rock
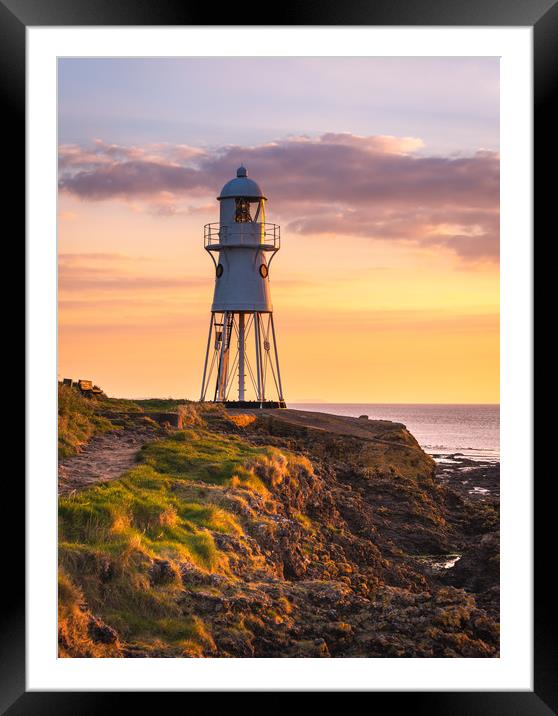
478	570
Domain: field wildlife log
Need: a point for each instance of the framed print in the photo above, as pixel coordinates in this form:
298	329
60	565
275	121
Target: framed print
282	273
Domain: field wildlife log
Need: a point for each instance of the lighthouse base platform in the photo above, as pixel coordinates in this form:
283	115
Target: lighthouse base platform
254	404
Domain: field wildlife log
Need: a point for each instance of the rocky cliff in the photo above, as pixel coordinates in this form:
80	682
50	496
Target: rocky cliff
277	534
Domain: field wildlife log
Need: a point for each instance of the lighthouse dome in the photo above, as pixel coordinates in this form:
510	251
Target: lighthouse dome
241	186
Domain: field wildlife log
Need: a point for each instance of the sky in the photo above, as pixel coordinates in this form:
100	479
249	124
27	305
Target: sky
384	176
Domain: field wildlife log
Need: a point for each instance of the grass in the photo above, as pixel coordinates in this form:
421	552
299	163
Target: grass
77	421
148	511
73	622
79	417
150	619
206	457
126	405
110	535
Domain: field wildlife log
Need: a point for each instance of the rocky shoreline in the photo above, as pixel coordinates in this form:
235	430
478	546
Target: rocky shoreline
345	540
474	478
477	569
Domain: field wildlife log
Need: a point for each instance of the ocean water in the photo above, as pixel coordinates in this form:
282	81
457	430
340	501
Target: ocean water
473	430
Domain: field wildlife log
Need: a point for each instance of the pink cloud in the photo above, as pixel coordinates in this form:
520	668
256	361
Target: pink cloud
373	186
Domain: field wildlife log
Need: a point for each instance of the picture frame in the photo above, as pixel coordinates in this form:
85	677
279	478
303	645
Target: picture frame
542	16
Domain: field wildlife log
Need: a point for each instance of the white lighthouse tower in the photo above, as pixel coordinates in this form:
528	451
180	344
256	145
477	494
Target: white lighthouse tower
241	362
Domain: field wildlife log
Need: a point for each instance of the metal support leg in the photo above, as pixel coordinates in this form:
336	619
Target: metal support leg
276	358
241	356
259	397
204	388
220	377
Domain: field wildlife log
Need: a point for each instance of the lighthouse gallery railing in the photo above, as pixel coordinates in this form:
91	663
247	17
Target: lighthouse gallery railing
264	235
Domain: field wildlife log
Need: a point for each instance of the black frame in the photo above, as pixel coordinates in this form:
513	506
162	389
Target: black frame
542	15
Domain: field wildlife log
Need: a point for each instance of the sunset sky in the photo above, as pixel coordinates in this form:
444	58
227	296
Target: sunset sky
384	176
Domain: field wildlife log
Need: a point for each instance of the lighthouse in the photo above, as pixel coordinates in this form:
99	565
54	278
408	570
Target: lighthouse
241	367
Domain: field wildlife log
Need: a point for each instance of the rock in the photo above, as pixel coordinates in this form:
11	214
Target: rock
106	570
478	570
162	572
100	632
329	559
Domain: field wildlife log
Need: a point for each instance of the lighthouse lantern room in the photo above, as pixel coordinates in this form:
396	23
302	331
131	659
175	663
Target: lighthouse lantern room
241	367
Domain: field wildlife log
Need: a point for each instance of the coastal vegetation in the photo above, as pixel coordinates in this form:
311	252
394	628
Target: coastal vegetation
78	420
245	536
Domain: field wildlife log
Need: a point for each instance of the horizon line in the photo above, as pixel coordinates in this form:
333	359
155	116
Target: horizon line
309	402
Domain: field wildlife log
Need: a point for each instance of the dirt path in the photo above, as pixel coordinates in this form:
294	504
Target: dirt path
106	457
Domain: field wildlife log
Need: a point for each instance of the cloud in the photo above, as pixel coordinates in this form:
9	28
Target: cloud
99	273
341	183
90	280
381	143
73	156
73	257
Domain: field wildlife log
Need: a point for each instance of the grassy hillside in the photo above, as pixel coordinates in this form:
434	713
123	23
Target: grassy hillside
225	539
79	418
142	529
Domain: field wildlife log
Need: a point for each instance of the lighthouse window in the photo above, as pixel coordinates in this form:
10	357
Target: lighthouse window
242	215
219	270
263	271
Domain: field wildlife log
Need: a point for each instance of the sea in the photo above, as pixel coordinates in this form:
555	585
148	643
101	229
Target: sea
471	430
